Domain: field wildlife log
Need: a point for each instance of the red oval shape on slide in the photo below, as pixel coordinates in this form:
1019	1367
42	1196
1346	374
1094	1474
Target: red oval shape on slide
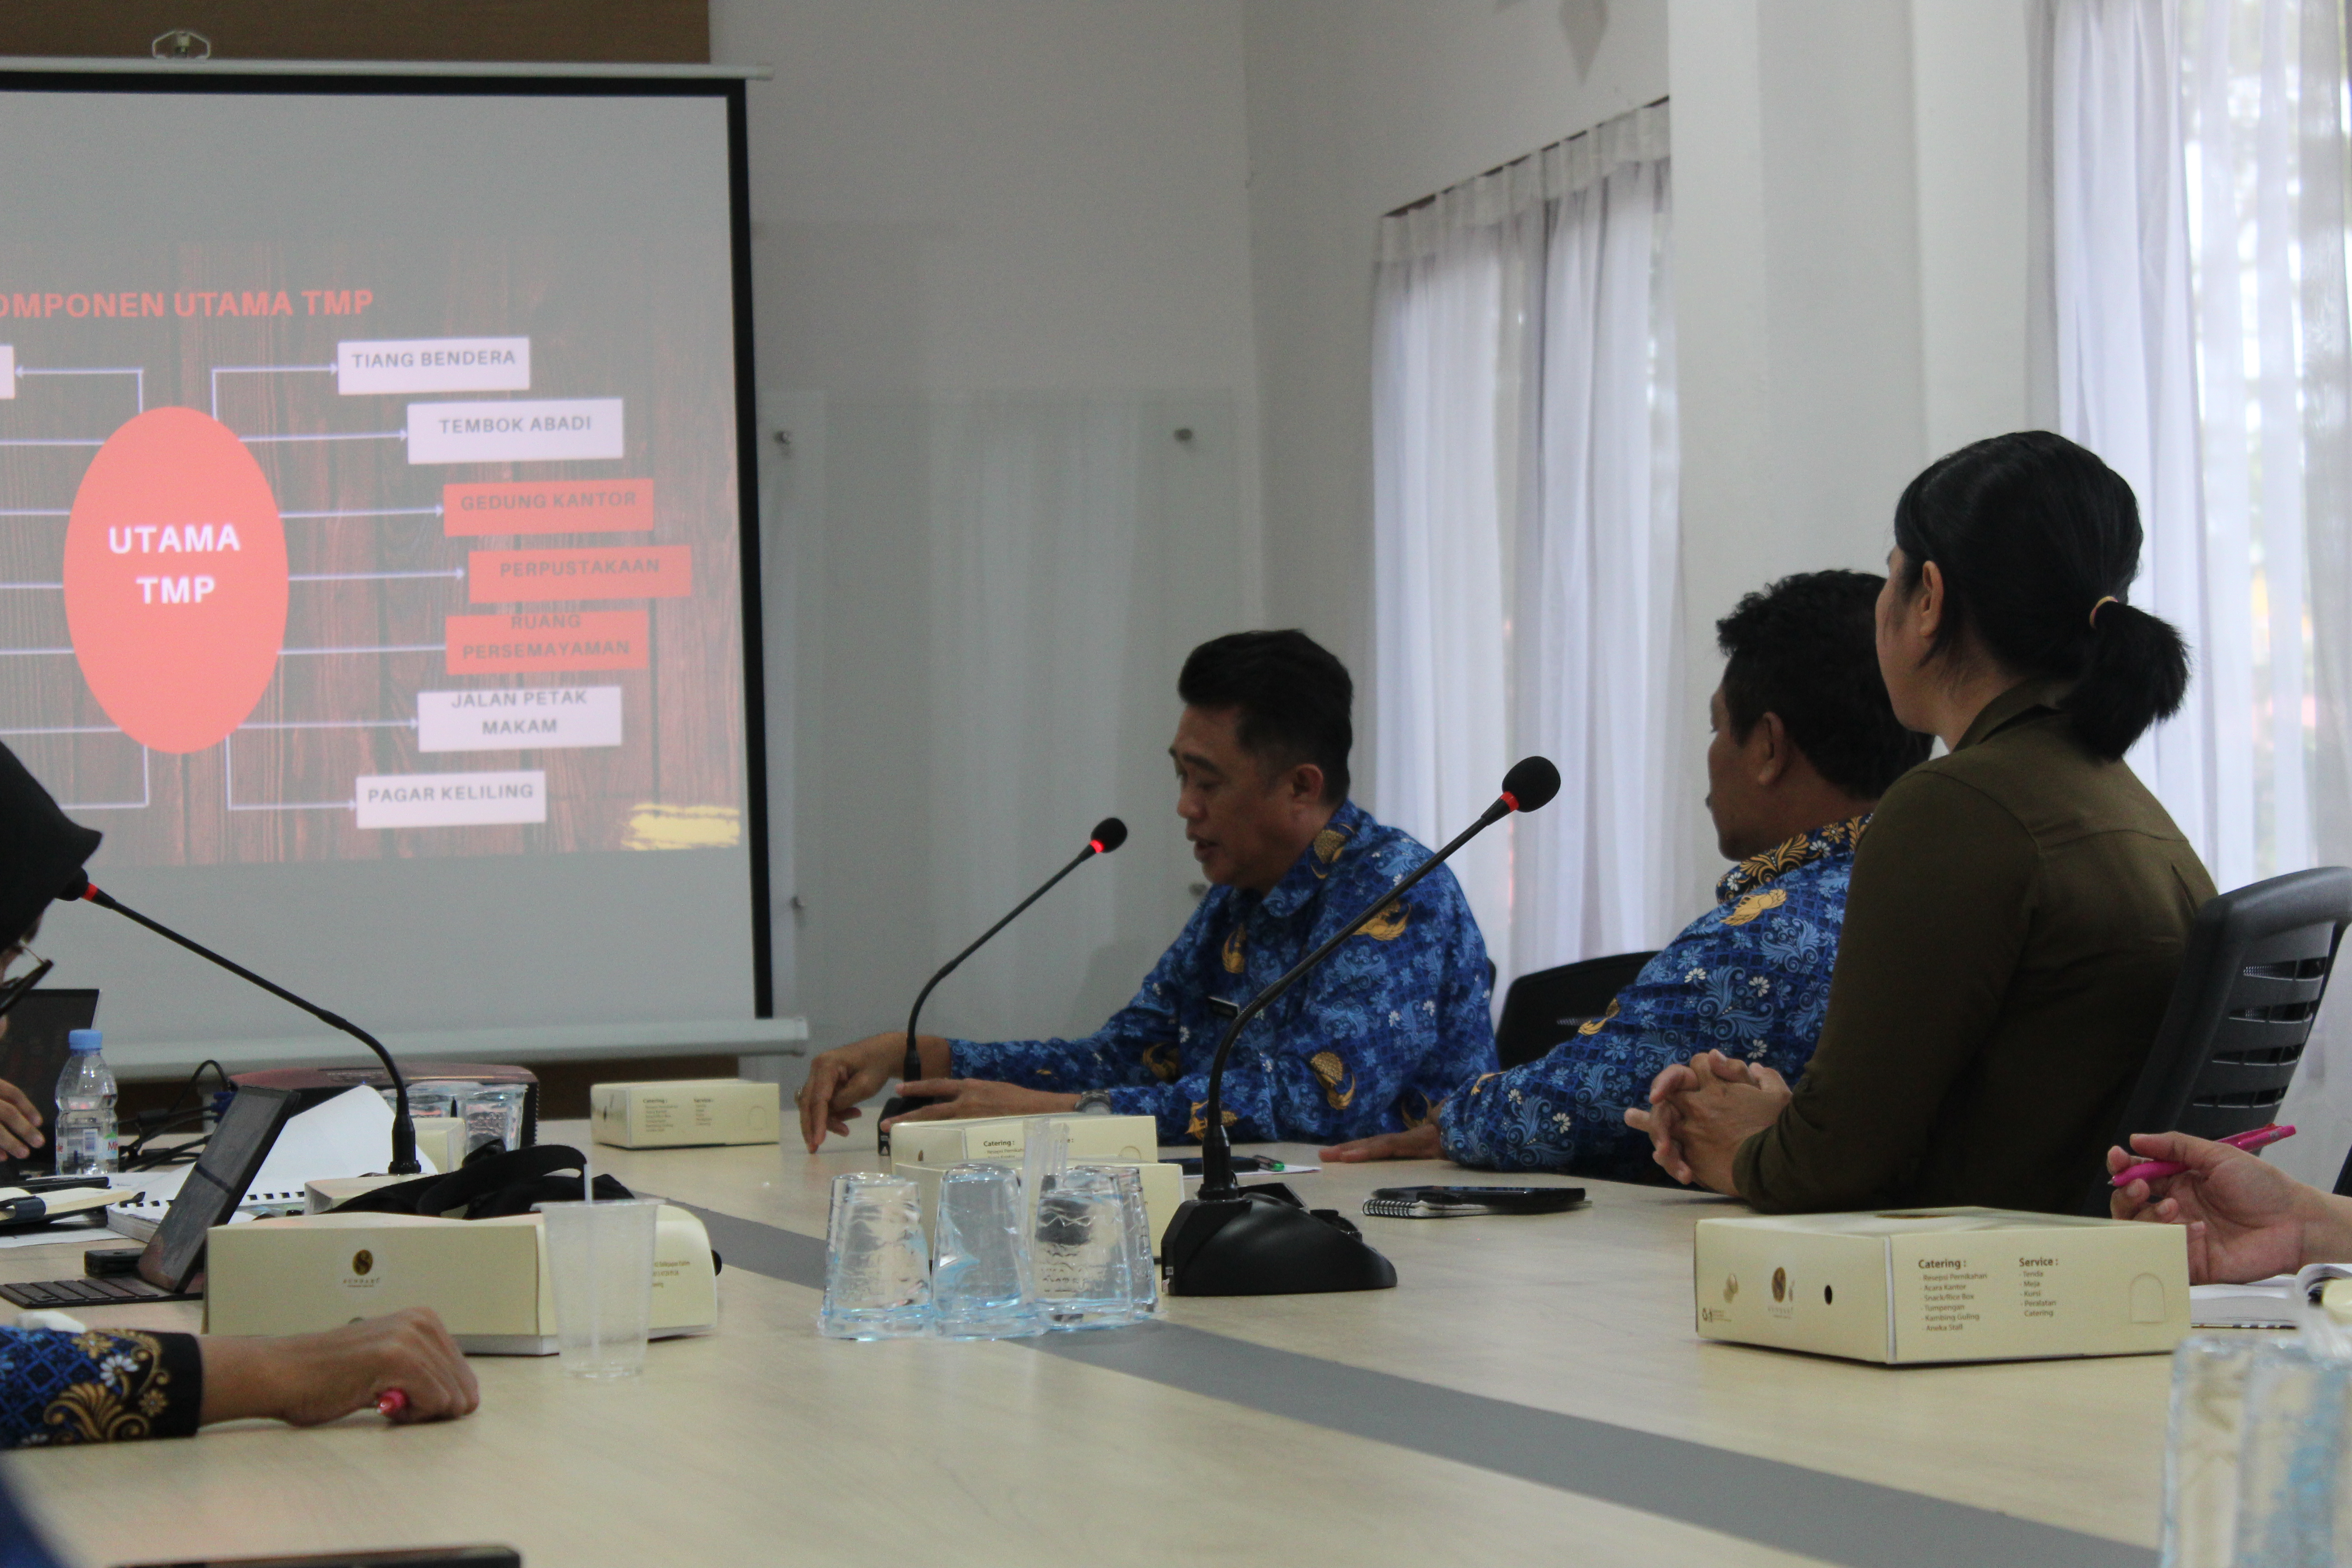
176	580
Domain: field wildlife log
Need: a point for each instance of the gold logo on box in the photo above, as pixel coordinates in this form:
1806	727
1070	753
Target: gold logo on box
362	1261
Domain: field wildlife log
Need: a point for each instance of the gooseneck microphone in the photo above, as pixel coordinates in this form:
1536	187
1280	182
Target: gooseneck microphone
1278	1248
403	1130
1107	836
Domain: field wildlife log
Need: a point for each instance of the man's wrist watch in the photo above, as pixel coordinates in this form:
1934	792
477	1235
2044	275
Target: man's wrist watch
1095	1102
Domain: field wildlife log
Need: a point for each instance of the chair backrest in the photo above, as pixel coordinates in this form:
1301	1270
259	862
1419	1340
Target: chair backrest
2252	978
1543	1009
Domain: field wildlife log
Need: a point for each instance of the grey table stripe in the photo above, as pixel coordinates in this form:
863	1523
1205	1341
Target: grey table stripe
1790	1508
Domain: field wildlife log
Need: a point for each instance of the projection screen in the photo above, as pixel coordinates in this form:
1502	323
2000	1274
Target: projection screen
379	563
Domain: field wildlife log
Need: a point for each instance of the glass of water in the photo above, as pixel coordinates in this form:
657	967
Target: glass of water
2200	1453
2294	1496
877	1279
981	1287
1080	1253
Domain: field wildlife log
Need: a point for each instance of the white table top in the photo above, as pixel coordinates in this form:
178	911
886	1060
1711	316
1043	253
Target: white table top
1532	1382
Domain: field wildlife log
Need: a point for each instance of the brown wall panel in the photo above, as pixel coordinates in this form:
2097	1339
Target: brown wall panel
667	31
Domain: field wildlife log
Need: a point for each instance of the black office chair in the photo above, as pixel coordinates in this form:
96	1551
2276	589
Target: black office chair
1543	1009
2251	978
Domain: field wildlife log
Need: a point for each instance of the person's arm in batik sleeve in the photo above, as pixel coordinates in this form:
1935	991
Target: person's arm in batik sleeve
93	1387
1341	1050
1755	991
1114	1055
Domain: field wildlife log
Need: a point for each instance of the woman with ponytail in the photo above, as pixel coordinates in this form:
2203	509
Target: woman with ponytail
2018	908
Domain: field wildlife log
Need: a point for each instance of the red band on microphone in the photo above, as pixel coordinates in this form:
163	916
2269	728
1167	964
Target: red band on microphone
1510	800
1095	845
89	891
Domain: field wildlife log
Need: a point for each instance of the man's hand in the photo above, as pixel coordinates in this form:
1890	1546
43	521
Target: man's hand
963	1097
841	1077
306	1379
2246	1219
1661	1120
1698	1125
1420	1142
20	1124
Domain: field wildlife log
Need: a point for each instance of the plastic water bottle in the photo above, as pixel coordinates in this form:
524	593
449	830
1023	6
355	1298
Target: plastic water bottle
84	1134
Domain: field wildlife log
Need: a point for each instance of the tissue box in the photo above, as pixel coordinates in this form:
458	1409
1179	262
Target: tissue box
486	1277
683	1113
1943	1285
1094	1140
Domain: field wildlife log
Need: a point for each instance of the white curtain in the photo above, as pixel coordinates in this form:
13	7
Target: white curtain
2198	161
1526	539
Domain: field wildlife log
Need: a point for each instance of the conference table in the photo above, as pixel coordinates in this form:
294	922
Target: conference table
1531	1390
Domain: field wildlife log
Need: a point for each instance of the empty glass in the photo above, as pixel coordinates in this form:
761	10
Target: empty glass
2200	1456
877	1282
600	1260
1084	1277
980	1269
1143	1268
493	1110
2295	1498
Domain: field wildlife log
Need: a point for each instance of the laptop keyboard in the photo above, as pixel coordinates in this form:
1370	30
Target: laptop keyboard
70	1293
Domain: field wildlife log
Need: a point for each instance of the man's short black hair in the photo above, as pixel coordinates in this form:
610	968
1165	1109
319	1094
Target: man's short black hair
1293	695
1806	648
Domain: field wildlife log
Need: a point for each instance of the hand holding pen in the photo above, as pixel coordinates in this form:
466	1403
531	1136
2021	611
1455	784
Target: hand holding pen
2154	1170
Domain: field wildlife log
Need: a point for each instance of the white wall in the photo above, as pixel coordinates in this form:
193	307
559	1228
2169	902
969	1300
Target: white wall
1850	201
1001	257
1355	108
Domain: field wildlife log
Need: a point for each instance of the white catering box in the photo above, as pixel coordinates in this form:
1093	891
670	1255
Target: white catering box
1943	1285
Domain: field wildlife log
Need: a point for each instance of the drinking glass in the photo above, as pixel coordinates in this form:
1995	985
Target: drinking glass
493	1110
1142	1268
600	1257
877	1282
1080	1254
2201	1454
2295	1498
980	1269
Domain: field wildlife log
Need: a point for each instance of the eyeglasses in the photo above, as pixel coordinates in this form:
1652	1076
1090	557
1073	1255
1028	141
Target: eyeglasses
14	986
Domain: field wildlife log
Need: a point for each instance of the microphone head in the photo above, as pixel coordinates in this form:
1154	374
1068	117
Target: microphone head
1108	835
1530	784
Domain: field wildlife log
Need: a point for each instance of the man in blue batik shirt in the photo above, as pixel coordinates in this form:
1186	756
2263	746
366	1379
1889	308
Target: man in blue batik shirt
1804	743
1367	1044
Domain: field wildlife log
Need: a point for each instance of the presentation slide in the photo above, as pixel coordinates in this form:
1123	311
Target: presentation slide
369	504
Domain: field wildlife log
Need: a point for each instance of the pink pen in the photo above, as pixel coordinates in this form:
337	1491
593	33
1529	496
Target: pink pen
392	1401
2149	1170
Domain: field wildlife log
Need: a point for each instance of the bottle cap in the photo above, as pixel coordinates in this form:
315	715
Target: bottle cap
82	1039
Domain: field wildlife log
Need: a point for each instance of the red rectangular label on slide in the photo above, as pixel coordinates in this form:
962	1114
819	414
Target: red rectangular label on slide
622	571
548	506
545	640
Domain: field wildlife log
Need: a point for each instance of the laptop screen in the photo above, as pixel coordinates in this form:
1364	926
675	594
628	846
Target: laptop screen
232	1157
33	1053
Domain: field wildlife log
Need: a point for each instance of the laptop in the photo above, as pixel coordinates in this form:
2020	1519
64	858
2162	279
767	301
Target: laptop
172	1267
32	1055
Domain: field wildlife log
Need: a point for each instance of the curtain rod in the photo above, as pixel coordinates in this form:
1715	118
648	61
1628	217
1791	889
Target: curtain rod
1427	200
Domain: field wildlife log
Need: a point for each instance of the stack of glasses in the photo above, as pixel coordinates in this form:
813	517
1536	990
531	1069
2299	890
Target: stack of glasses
2258	1471
997	1267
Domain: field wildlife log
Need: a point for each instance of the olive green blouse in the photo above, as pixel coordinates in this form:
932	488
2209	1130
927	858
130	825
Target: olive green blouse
2015	921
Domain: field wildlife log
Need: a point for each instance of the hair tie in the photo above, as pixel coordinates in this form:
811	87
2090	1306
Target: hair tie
2110	599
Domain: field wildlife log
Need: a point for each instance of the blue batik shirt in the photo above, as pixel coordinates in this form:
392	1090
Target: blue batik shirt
1750	978
1368	1043
96	1387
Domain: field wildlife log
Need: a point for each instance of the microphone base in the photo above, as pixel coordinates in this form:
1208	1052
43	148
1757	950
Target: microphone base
1267	1242
897	1105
